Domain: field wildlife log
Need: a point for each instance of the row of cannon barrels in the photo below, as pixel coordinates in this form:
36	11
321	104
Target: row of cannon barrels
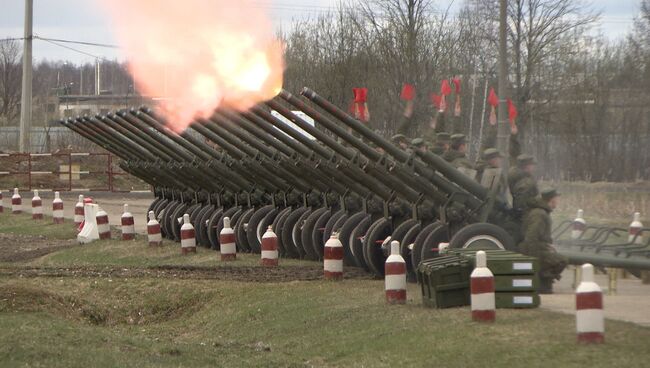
271	166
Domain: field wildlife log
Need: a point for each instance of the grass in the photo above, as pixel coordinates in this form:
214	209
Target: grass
169	322
24	225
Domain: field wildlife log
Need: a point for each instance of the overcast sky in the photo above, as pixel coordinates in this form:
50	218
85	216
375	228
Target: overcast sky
82	20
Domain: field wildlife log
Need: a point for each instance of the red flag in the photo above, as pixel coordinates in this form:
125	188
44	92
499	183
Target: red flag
445	88
456	82
436	99
359	105
408	92
512	112
493	100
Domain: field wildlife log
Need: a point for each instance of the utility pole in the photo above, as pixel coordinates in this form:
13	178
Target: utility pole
503	130
98	77
26	97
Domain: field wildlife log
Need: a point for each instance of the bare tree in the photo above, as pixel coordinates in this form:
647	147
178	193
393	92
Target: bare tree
10	75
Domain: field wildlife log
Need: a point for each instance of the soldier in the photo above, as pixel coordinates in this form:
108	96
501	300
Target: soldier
492	159
442	143
523	185
418	144
456	153
400	141
537	240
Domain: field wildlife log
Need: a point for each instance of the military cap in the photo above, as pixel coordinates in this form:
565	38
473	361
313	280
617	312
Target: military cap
398	137
523	160
549	194
417	142
443	137
458	139
491	153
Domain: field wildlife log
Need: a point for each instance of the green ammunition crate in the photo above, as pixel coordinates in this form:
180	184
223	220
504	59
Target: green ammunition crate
523	283
517	300
502	262
445	281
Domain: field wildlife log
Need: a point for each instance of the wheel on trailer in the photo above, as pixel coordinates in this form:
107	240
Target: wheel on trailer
418	243
213	236
278	222
432	242
165	220
174	223
287	231
307	232
266	222
356	241
402	229
153	205
159	209
296	233
240	231
372	245
205	221
405	250
329	225
344	237
317	233
482	236
253	228
200	225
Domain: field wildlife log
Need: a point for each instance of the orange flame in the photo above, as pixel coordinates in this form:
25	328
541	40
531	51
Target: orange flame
198	54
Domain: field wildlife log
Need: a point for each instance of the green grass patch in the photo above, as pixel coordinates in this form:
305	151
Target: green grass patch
170	323
23	224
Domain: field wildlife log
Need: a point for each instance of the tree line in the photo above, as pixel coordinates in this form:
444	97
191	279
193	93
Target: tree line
583	101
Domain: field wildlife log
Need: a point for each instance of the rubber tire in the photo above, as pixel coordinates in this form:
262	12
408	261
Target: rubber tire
460	239
240	232
344	236
213	237
404	250
165	225
278	222
437	236
287	231
307	231
317	233
374	254
202	227
251	230
356	241
401	230
174	225
330	224
266	222
416	252
296	233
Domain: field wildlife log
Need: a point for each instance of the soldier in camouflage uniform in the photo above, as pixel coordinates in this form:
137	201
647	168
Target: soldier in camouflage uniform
537	240
523	185
441	145
400	141
456	154
418	144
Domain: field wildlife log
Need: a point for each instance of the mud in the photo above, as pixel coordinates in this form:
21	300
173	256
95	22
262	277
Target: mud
17	248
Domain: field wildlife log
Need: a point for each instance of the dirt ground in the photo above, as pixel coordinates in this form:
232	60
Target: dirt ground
16	248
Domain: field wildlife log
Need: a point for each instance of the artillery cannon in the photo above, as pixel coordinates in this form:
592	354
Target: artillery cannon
258	170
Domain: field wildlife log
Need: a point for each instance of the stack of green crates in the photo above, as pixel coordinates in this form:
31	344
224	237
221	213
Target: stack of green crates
515	277
445	280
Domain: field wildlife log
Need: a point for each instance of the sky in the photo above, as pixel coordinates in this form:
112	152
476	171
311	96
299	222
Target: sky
83	20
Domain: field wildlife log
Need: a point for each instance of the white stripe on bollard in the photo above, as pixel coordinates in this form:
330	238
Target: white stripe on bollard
269	248
395	280
57	209
188	238
79	211
227	245
103	227
590	318
128	224
153	231
333	258
483	302
16	202
37	207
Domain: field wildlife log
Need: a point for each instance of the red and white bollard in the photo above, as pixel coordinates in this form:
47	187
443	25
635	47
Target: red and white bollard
482	289
269	248
16	203
188	237
333	258
79	212
103	228
57	208
590	318
635	229
37	207
227	245
153	231
395	280
128	224
579	226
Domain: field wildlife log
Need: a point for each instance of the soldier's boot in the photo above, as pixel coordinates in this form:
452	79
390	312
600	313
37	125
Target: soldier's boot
546	285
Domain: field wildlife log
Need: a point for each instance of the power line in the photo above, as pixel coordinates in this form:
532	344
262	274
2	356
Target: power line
73	49
77	42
